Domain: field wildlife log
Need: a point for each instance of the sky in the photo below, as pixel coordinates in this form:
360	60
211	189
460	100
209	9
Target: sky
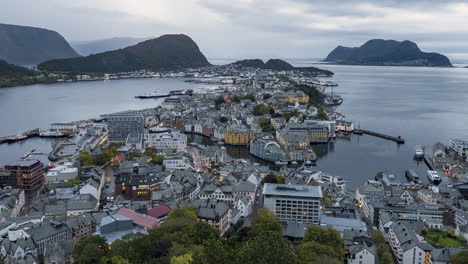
255	28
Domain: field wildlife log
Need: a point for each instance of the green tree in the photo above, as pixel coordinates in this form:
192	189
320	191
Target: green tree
261	109
320	242
267	248
265	124
460	258
114	260
266	222
90	249
183	259
281	179
266	96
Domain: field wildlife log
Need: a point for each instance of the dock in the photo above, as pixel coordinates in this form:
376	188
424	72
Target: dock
29	134
397	139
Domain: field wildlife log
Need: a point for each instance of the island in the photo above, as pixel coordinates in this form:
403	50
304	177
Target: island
387	53
278	65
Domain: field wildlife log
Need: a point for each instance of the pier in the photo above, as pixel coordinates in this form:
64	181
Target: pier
29	134
397	139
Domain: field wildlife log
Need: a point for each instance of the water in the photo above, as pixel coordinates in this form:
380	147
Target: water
423	105
37	106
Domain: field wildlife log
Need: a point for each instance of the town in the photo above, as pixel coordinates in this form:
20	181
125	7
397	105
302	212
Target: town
124	174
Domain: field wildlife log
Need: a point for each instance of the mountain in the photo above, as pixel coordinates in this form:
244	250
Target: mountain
30	46
86	48
387	52
12	75
277	65
168	52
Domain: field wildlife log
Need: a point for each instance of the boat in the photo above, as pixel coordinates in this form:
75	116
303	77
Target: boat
309	163
151	95
49	133
419	152
19	137
434	176
411	175
281	162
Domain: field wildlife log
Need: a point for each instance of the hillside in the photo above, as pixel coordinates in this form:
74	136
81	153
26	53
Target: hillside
86	48
277	65
12	75
387	52
30	46
168	52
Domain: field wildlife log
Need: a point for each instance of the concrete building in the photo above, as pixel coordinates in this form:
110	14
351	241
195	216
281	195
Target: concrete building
237	136
167	141
121	125
62	173
265	147
30	174
293	203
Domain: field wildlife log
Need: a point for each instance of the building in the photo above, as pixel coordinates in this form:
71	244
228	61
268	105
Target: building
47	233
174	141
293	96
293	203
29	174
66	128
361	254
316	133
175	163
237	136
215	213
460	147
11	203
264	146
61	174
121	125
7	179
136	180
140	220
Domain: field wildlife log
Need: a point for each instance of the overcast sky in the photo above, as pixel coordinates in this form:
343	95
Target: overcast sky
255	28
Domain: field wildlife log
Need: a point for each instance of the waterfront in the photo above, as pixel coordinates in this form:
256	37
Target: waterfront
424	105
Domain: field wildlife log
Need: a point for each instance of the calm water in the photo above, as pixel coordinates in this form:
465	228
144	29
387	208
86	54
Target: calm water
424	105
37	106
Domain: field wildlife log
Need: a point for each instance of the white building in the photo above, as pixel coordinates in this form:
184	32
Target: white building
167	141
362	254
175	163
62	173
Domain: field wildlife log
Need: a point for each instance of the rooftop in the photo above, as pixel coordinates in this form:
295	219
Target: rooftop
292	190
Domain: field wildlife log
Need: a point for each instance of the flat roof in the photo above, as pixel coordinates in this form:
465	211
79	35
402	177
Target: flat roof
22	163
292	190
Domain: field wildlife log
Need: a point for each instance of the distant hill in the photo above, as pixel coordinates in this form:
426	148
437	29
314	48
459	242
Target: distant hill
30	46
12	75
168	52
278	65
86	48
387	52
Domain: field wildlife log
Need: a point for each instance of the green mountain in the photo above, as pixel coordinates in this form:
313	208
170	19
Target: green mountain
12	75
387	52
277	65
30	46
168	52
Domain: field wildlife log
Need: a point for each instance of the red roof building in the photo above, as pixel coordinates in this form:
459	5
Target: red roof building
142	220
159	212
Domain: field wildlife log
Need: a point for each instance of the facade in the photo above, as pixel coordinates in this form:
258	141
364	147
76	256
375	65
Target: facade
293	203
61	174
167	141
265	147
175	163
293	96
66	128
7	178
237	136
460	147
30	174
361	254
122	125
136	181
215	213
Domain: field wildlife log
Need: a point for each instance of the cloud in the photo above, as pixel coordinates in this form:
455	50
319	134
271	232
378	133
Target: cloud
254	28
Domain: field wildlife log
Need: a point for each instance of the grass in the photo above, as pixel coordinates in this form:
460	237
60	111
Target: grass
440	239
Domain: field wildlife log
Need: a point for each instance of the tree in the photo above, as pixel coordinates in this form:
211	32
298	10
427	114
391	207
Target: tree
223	119
90	249
183	259
114	260
320	242
266	222
267	248
270	178
281	179
460	258
265	124
261	109
266	96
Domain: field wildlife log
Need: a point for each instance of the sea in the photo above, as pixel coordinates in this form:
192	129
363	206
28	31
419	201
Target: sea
423	105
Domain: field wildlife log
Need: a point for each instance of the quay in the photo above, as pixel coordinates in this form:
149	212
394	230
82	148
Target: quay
397	139
28	134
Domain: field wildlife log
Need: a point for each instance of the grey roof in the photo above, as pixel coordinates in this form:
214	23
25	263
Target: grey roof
296	230
45	229
23	163
354	249
292	190
341	224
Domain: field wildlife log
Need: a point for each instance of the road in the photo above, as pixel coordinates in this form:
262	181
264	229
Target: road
197	163
110	176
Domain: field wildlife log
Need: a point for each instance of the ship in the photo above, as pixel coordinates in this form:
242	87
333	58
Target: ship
19	137
309	163
151	95
419	152
49	133
434	176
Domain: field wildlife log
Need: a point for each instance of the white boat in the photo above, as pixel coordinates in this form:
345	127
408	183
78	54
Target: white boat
434	176
49	133
419	152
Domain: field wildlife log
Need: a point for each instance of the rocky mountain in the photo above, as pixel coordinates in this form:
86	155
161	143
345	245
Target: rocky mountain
30	46
168	52
86	48
277	65
387	52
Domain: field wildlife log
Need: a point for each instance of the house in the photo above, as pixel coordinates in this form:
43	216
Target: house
361	254
160	212
141	220
60	252
11	203
217	214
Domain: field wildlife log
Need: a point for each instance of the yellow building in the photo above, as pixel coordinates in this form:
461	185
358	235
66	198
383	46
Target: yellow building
293	96
237	137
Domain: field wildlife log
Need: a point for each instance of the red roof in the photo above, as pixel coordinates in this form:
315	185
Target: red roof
146	221
159	211
120	157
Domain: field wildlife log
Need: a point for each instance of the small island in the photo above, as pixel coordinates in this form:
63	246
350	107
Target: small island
387	53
